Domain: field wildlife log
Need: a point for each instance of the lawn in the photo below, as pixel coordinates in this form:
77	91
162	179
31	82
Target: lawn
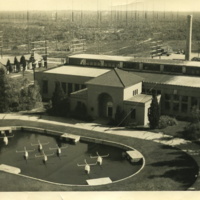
176	130
166	169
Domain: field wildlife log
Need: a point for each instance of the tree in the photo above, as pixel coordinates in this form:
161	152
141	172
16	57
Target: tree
60	104
154	112
16	63
29	96
9	66
120	117
23	63
3	87
16	95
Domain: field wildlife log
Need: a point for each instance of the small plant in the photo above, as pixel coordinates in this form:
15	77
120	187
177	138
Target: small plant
166	121
192	131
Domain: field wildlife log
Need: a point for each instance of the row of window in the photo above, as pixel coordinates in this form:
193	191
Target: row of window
151	91
177	102
135	92
136	65
68	88
174	106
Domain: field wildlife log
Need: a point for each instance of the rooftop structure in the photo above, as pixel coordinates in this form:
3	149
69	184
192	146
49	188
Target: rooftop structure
116	78
187	81
132	59
103	57
140	98
77	71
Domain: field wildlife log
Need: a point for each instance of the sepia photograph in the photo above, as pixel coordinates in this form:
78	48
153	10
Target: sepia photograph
99	99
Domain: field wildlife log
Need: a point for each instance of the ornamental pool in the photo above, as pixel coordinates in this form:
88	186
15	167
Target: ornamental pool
64	169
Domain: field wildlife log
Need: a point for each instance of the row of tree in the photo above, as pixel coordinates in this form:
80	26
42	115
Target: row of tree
20	63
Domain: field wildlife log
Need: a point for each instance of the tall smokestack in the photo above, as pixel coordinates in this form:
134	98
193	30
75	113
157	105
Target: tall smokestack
189	38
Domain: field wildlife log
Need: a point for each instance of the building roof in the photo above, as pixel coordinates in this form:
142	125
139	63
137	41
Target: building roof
77	71
101	57
140	98
139	60
82	94
116	78
187	81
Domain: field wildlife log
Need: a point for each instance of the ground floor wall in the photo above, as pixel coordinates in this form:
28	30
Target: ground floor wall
175	100
103	100
68	83
135	114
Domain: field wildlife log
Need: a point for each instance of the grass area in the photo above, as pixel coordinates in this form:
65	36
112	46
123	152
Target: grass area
166	169
176	130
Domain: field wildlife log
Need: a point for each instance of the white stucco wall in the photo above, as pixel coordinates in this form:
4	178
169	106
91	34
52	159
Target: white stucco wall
93	93
128	92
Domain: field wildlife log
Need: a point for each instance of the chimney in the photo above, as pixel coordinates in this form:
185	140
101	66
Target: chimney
189	38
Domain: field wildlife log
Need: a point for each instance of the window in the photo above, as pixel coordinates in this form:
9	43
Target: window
194	101
64	87
133	113
109	109
135	92
167	96
83	86
184	99
167	105
184	107
175	106
152	67
45	87
76	87
70	89
131	65
176	97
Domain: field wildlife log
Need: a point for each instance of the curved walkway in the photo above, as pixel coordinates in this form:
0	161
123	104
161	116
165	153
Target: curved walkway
184	145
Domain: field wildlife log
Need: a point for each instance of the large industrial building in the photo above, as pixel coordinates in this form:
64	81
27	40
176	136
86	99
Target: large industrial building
102	83
90	84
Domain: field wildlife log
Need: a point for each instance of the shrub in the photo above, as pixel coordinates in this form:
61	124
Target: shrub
192	131
80	112
166	121
154	113
120	118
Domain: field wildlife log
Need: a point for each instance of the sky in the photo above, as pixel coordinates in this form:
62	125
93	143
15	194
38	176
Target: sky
163	5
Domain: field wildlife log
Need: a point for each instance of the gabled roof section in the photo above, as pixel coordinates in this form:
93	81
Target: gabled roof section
116	78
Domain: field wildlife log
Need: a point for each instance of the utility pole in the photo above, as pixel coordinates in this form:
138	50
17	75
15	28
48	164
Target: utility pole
41	46
27	29
1	43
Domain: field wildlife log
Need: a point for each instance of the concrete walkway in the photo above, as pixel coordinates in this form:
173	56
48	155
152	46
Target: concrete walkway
146	135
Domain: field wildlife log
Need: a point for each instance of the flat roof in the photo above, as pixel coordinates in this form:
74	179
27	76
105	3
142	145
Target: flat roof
140	60
77	71
140	98
188	81
101	57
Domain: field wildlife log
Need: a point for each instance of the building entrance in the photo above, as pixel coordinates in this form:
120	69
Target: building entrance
105	105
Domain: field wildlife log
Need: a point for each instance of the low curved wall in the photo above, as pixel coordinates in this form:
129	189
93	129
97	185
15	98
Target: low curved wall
82	138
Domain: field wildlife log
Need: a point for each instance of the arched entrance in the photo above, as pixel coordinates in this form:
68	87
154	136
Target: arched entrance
105	104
